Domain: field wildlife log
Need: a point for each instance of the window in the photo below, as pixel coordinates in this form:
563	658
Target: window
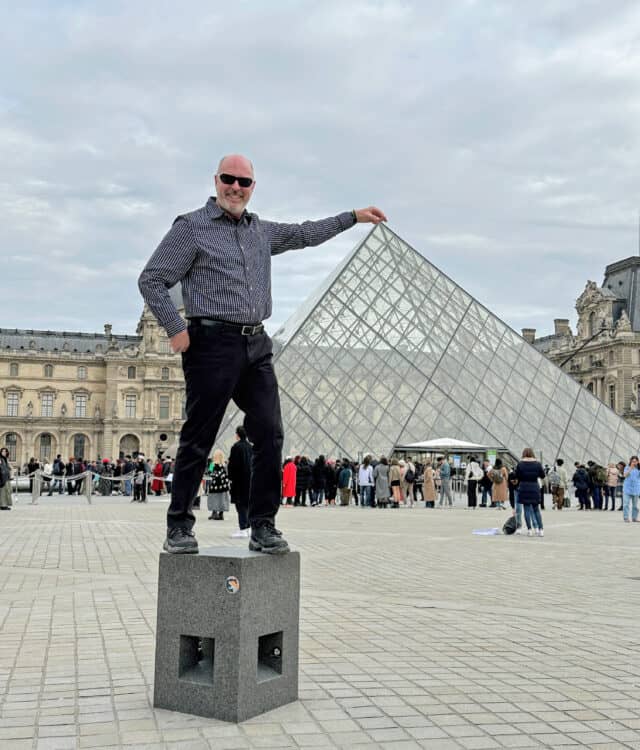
165	373
184	408
45	447
47	404
79	444
590	387
164	347
13	370
131	372
48	371
612	357
82	373
163	404
12	404
612	396
130	405
11	442
81	404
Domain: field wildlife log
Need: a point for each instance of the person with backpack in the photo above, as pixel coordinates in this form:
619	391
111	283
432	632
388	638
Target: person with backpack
499	489
611	486
6	500
408	478
556	485
344	483
58	473
598	478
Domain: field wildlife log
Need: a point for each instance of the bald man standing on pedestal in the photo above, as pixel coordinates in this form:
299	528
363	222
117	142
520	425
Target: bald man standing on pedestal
222	255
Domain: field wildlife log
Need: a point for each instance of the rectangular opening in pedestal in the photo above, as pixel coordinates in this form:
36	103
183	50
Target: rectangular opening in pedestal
269	656
196	659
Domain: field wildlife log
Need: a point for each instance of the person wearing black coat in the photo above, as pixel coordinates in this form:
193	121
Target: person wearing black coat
331	484
528	472
239	471
582	484
304	481
318	481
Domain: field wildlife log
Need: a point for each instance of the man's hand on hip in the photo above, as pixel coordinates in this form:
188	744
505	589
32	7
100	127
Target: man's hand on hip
370	215
180	342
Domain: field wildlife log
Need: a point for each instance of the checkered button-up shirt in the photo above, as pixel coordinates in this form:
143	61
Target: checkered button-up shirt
224	265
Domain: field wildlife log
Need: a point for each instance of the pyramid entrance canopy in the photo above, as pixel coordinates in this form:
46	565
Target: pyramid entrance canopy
448	445
389	349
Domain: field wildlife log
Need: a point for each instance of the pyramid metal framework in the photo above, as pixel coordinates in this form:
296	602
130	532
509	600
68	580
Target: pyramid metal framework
390	351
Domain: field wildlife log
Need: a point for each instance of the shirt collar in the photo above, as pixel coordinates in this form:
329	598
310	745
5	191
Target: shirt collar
215	212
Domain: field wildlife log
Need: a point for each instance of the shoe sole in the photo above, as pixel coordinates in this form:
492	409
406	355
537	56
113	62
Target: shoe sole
280	550
180	550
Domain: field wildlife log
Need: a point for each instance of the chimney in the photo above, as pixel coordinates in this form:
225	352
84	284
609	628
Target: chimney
529	335
561	326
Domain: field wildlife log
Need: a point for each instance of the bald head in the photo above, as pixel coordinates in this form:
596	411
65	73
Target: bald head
233	198
233	161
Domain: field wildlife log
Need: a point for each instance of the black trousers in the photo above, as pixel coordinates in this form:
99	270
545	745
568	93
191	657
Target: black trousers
221	365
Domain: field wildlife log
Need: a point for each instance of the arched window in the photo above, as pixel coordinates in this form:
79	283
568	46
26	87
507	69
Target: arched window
79	445
13	370
131	372
11	442
165	373
45	447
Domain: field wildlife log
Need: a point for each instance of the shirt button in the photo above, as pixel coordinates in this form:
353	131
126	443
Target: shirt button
241	247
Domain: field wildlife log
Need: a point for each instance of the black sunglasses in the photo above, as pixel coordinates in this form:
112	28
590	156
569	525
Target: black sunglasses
229	179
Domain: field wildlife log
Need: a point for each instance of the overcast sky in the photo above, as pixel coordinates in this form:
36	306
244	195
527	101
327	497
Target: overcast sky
501	139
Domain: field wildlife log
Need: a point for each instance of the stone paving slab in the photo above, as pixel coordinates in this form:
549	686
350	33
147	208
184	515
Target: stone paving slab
415	633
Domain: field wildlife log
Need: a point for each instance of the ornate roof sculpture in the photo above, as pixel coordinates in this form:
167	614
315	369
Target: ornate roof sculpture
391	351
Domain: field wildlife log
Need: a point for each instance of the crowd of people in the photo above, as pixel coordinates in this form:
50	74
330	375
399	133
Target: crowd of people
371	483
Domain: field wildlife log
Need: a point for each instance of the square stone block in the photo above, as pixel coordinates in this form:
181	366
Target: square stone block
227	632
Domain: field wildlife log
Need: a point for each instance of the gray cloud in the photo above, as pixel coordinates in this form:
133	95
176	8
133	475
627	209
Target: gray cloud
499	137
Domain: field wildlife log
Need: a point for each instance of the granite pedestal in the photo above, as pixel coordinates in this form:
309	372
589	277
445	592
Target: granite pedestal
227	633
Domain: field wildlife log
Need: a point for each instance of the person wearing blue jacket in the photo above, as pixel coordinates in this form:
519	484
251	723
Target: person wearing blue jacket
528	472
631	490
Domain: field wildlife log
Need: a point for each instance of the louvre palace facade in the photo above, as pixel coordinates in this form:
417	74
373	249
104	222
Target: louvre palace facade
388	351
89	395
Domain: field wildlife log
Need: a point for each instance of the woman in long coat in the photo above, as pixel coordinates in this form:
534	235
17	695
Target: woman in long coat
429	487
381	480
289	472
500	489
6	501
157	485
218	497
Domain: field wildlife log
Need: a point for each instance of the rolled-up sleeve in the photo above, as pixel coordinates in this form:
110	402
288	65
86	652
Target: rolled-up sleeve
168	265
285	237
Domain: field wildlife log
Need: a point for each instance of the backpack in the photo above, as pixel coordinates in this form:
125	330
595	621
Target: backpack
554	478
601	475
409	475
497	476
510	525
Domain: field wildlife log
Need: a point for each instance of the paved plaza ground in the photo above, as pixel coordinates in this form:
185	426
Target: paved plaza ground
414	632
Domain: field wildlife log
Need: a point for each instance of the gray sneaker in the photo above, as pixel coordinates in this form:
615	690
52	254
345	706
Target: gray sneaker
180	541
266	538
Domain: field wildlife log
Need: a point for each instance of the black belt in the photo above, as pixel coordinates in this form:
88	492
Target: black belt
223	325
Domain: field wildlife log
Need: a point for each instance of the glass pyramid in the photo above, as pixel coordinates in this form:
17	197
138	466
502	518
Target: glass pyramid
390	351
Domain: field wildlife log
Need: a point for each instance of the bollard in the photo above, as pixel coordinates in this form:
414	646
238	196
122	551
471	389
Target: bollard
227	632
